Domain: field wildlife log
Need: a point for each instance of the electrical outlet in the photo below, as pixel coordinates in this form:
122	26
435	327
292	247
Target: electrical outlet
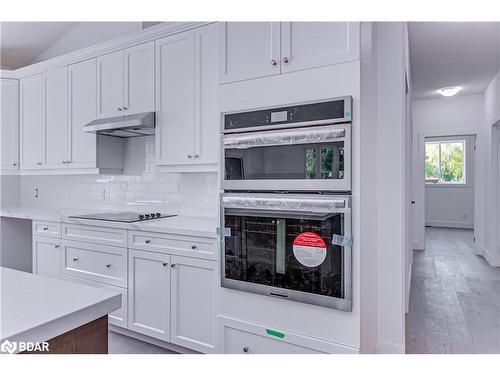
36	193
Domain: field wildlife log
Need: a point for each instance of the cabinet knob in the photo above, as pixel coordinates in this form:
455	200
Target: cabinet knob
165	264
14	164
196	156
75	259
246	349
108	266
274	62
45	229
57	246
172	265
189	156
285	60
194	247
120	108
147	242
125	107
38	163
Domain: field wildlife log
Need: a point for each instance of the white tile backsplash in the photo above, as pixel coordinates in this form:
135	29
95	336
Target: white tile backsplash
140	188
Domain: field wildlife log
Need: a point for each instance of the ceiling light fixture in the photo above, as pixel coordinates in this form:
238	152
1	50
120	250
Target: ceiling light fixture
449	91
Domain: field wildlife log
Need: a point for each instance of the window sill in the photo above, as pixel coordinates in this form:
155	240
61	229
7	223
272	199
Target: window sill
448	185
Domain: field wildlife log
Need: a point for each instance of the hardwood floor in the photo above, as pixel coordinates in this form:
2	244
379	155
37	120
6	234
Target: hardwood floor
454	297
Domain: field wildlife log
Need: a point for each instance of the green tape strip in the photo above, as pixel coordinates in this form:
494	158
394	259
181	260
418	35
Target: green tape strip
271	332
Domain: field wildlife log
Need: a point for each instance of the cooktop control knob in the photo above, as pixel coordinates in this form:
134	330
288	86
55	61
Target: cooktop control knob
147	216
141	217
158	214
152	216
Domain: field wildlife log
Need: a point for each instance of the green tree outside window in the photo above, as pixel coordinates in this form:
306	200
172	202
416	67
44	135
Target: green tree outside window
445	162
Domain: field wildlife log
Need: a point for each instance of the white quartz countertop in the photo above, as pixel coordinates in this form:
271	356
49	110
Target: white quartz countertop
37	308
182	225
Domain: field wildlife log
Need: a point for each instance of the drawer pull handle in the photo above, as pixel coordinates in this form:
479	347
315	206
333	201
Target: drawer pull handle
75	259
45	229
108	266
165	264
57	246
194	247
246	349
172	265
148	241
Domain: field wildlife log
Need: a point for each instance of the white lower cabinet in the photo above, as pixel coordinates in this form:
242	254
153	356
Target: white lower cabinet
149	293
118	317
241	337
193	283
47	256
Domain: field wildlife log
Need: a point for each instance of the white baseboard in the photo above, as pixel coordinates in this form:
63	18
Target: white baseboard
449	224
490	257
151	340
384	347
416	245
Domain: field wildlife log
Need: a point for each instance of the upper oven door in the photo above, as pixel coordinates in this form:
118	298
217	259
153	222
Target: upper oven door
300	159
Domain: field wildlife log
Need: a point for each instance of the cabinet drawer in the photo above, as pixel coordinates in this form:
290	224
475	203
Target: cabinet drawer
100	235
197	247
240	337
118	317
47	229
101	263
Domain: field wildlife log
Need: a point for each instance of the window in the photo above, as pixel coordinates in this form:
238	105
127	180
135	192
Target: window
445	162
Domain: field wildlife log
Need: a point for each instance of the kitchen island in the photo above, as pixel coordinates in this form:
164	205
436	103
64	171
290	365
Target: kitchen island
71	317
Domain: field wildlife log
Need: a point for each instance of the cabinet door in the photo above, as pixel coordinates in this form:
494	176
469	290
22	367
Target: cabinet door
32	122
9	124
139	86
47	257
83	109
193	299
306	45
249	50
206	112
110	84
56	118
149	293
175	99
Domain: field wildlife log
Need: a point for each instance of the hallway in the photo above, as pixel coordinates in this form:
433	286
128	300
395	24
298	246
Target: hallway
454	299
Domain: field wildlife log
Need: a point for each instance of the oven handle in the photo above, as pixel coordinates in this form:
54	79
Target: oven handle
310	205
320	134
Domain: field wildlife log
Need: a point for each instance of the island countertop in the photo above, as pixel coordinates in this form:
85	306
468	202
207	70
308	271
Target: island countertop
37	308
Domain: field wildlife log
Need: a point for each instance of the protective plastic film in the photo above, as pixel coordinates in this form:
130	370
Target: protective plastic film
318	134
290	202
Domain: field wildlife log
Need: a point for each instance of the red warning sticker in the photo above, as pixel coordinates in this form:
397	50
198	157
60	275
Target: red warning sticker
309	249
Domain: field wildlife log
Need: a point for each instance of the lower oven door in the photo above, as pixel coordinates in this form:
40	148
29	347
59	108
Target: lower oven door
302	159
296	247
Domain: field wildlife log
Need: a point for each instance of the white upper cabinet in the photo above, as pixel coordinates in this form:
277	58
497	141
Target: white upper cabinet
83	109
306	45
110	81
32	133
206	112
193	303
56	118
149	293
139	69
126	81
9	124
187	98
249	50
175	99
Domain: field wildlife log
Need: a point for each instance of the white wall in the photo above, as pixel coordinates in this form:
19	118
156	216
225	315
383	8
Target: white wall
86	34
452	205
487	238
458	115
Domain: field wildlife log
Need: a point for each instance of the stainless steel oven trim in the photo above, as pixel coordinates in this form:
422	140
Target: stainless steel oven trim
343	185
343	304
346	119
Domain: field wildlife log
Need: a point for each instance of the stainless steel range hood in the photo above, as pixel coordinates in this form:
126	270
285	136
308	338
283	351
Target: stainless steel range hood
136	125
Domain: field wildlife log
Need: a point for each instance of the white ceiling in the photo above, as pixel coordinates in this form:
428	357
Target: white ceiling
22	42
443	54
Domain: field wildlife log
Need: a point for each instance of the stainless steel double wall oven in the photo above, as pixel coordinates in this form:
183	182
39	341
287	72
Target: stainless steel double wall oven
286	206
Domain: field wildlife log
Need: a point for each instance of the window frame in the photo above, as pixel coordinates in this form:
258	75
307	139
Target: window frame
439	142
